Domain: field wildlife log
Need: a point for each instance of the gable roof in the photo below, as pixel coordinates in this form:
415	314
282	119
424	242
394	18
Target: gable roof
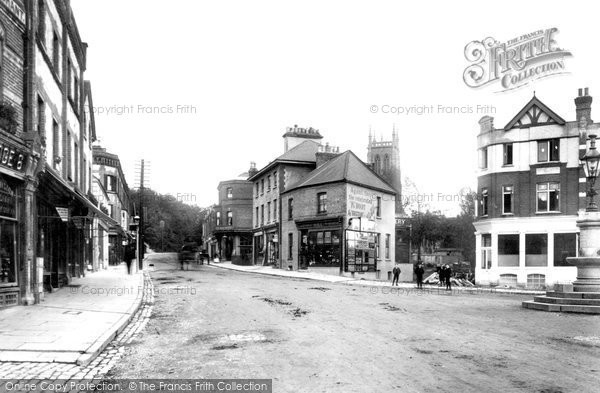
534	113
348	168
304	153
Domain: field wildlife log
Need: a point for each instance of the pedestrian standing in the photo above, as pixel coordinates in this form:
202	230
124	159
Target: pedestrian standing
448	276
129	255
396	272
419	271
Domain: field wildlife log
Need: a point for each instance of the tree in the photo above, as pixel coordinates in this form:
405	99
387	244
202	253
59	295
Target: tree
182	222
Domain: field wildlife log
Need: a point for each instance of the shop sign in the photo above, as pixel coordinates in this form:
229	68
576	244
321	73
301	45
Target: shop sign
12	158
8	200
63	212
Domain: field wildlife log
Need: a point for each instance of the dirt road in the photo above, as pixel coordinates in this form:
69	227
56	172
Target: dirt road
313	337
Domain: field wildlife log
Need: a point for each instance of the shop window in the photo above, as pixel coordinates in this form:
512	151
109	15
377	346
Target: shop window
508	250
565	246
290	209
508	154
536	249
8	261
484	201
229	192
509	280
549	150
230	218
486	251
322	202
320	248
536	280
548	197
507	199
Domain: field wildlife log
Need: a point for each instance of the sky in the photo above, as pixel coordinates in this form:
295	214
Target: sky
202	88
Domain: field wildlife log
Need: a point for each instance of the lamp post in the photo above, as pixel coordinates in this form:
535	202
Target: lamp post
590	167
136	222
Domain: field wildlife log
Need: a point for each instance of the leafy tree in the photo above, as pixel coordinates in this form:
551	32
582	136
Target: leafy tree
182	222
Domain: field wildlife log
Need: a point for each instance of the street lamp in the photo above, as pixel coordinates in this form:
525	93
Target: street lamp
590	167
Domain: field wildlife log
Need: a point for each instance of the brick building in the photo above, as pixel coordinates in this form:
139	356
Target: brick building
16	162
298	160
339	219
232	218
531	188
47	210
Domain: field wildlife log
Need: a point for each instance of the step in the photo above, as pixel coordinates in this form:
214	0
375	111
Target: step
574	295
564	300
582	309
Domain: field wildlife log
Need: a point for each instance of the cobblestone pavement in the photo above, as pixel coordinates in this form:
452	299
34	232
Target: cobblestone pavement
27	371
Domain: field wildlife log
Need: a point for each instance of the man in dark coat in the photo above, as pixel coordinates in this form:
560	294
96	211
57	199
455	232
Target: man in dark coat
448	275
419	271
129	256
396	272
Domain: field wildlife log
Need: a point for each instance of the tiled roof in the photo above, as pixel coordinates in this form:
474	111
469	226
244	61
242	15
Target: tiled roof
347	167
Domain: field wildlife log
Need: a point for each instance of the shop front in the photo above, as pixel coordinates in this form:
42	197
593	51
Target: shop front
13	273
321	244
266	246
10	257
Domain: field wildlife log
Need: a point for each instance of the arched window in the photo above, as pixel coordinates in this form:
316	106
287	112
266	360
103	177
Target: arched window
377	164
386	163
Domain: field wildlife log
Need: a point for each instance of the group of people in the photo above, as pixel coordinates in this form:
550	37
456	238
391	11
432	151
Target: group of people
419	271
445	274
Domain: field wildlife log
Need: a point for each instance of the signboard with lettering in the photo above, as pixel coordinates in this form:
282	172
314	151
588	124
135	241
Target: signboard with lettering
63	212
361	251
8	200
12	158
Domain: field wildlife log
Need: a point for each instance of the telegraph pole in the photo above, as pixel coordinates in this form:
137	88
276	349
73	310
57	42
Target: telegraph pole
141	204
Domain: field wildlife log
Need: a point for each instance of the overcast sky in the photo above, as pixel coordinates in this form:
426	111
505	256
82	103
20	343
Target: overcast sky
245	70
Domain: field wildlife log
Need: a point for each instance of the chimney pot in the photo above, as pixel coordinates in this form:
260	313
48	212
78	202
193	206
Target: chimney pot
580	92
586	91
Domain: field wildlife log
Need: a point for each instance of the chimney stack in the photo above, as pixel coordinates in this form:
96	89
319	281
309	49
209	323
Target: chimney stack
583	106
252	171
486	124
326	153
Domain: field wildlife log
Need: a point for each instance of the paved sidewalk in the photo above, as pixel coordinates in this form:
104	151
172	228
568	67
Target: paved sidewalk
74	324
313	275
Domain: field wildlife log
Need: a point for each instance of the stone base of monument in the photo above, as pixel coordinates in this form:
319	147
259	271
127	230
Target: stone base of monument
583	296
573	302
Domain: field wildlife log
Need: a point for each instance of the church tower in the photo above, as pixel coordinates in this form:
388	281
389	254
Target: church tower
384	157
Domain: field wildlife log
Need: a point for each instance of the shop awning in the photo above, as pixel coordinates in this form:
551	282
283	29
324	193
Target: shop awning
59	184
